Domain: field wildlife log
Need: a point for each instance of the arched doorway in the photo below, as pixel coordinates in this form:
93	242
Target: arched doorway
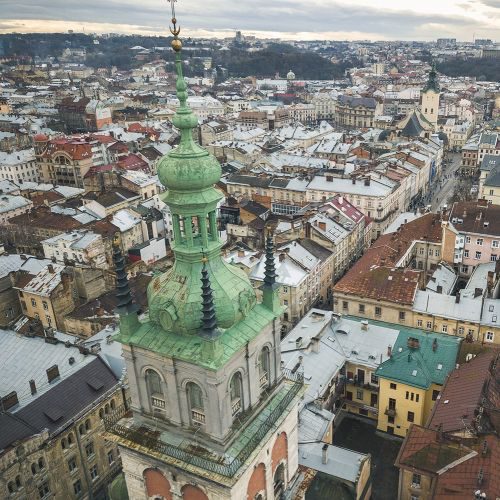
190	492
157	485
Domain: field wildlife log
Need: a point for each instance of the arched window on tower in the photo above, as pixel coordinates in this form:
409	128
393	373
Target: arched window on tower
195	398
155	392
264	364
236	390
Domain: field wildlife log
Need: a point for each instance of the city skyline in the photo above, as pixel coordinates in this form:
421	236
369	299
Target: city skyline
286	19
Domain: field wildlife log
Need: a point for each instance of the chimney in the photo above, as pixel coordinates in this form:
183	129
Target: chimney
364	325
241	253
464	215
32	386
439	289
435	345
354	180
324	454
322	226
457	297
478	292
367	181
50	267
315	344
389	351
282	257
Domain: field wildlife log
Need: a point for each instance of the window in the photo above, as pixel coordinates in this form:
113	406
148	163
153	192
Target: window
478	255
154	385
264	364
390	420
493	257
43	490
467	239
435	395
402	315
407	395
33	302
411	416
374	379
94	474
195	398
479	241
72	464
285	289
415	481
393	386
378	311
417	397
111	458
359	394
361	308
345	305
77	487
429	325
495	244
33	468
235	389
466	253
419	322
89	449
444	329
421	251
490	336
45	305
437	253
461	330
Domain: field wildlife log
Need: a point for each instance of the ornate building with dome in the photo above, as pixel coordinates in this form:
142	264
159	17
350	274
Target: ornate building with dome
212	413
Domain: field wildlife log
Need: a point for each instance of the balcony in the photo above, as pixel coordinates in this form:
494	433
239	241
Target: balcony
158	403
198	416
264	380
260	420
235	406
390	412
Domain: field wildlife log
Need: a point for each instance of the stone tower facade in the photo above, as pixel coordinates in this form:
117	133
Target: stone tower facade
212	414
429	105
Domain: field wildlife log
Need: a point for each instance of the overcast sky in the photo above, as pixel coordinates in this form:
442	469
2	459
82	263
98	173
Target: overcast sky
294	19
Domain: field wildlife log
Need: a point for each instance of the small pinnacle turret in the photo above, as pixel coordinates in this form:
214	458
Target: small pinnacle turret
270	272
208	321
125	302
270	297
126	307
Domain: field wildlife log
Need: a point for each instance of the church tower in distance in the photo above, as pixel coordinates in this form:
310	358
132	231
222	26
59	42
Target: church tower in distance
430	98
212	414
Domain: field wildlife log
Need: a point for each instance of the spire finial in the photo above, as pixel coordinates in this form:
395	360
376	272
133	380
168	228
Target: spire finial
123	294
270	271
208	321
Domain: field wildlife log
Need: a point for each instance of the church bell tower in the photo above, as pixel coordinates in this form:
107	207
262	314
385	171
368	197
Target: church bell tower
212	414
430	98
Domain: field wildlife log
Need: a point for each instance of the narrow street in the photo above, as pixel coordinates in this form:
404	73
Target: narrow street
444	184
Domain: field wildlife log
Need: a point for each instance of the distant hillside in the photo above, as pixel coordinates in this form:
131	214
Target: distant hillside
280	59
482	69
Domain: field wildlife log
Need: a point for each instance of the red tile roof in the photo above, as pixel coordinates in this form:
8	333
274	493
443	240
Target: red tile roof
473	385
458	466
375	275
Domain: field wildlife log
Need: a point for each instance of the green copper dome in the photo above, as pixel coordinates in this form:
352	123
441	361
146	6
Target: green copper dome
189	173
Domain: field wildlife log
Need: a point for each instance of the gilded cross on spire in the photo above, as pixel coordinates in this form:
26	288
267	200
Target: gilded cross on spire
174	29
